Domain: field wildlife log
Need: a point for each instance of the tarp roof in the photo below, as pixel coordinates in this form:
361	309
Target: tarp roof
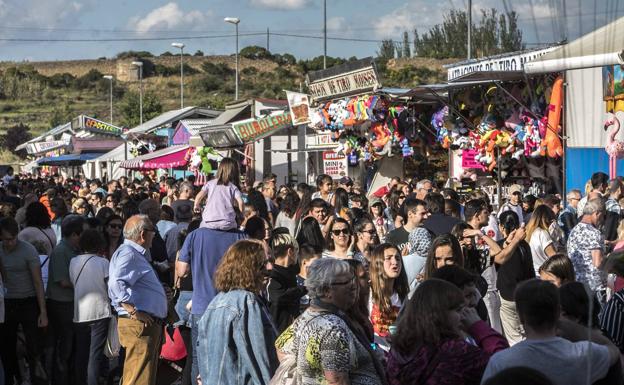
172	156
601	47
54	131
68	159
169	117
114	155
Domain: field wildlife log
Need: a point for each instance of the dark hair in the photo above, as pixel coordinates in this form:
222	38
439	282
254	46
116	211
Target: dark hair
307	252
323	178
92	241
256	199
104	213
310	234
359	311
317	203
192	226
509	221
360	198
37	215
435	202
552	200
393	202
575	303
473	207
456	275
410	204
93	222
439	241
72	224
9	225
107	221
449	193
306	196
560	266
341	199
519	375
166	213
452	208
538	305
254	227
417	328
599	179
289	203
379	280
329	241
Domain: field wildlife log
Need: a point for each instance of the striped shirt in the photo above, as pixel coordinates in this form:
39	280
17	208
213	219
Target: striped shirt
612	319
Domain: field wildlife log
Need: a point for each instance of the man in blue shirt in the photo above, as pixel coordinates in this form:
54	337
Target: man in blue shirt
140	301
200	254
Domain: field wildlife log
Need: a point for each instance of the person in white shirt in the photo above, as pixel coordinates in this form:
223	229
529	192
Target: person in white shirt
88	273
599	182
514	202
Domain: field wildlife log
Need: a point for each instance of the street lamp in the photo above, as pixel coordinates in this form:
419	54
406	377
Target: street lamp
110	78
140	65
181	47
235	21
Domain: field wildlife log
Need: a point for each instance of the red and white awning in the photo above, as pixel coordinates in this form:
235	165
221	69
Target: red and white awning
170	157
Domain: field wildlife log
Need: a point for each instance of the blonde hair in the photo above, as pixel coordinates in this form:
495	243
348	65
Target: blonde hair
281	242
620	230
541	218
588	187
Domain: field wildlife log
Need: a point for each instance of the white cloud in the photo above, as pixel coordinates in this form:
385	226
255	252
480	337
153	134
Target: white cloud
410	16
337	23
38	14
168	17
280	4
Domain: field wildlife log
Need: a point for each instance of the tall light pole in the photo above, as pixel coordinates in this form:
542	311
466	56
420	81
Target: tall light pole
469	48
140	65
181	46
235	21
324	34
110	79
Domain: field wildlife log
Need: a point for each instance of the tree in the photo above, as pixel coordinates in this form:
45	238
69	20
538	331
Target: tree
61	115
130	108
386	50
199	53
406	45
166	53
255	52
15	136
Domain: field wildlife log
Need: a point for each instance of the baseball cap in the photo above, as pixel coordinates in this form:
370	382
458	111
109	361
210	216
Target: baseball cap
346	180
374	201
514	188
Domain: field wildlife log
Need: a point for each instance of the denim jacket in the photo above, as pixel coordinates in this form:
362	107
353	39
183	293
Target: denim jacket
236	344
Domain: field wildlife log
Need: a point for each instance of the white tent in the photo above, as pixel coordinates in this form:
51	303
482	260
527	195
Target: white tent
107	165
604	46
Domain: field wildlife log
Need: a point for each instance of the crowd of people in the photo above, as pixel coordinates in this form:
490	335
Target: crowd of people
104	283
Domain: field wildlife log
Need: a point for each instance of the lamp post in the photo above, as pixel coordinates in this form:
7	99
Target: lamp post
235	21
110	79
181	47
140	65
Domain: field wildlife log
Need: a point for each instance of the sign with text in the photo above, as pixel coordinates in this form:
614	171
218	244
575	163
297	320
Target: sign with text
334	164
321	139
501	63
468	160
299	105
41	147
347	79
255	129
98	126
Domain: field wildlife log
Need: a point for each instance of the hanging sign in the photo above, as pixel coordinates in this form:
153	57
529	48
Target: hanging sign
299	105
255	129
347	79
468	160
335	164
319	140
499	63
37	148
94	125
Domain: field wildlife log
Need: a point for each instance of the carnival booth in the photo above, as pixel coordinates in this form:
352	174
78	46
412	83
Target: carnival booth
502	126
594	101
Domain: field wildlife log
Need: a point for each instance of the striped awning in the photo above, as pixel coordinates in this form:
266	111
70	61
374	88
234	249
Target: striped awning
170	157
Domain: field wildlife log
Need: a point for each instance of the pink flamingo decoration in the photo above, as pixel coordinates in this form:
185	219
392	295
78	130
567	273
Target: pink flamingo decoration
614	148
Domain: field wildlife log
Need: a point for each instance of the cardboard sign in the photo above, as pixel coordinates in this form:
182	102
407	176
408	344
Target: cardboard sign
255	129
335	164
468	159
299	105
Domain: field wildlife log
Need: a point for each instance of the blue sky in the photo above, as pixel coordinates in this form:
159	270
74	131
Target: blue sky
542	21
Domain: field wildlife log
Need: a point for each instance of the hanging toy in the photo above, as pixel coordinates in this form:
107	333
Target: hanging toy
551	145
406	149
614	147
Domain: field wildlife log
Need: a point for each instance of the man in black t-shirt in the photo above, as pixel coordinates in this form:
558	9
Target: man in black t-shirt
416	211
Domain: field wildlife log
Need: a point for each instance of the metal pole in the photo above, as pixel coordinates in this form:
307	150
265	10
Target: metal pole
236	96
141	93
469	29
324	34
111	100
182	77
268	40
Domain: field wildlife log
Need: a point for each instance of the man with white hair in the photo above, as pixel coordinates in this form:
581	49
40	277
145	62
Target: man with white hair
140	301
423	187
568	217
586	247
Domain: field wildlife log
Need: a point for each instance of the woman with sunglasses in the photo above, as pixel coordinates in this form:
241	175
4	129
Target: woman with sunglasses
389	288
113	234
366	240
393	212
338	240
81	207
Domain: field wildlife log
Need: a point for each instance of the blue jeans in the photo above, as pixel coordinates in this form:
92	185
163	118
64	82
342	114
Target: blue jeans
180	308
194	337
90	358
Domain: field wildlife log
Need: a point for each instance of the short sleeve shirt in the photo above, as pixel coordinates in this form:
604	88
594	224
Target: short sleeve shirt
18	265
325	342
582	240
59	271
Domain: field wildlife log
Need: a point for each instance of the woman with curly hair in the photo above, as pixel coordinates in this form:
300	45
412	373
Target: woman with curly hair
236	334
389	288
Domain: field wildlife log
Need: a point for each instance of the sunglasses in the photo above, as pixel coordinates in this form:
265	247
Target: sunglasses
371	232
115	226
341	231
109	201
401	196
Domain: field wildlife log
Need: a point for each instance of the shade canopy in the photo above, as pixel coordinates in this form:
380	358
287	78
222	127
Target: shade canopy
68	159
170	157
